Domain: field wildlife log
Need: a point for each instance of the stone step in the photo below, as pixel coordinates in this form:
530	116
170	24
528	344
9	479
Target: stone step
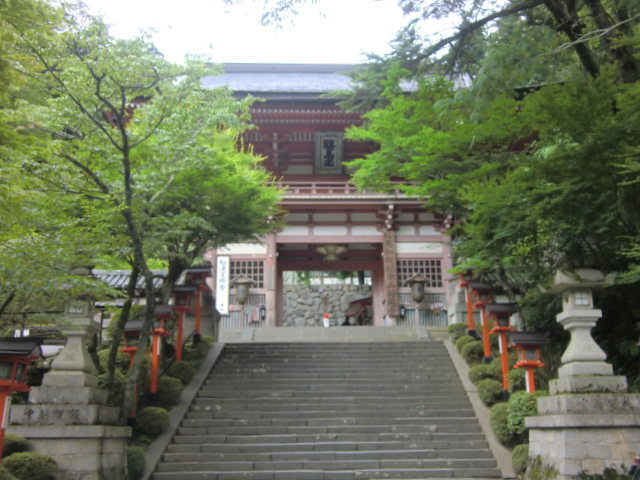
204	464
452	454
330	412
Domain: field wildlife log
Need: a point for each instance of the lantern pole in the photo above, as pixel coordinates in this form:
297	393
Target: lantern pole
182	295
501	313
162	314
197	276
464	283
483	294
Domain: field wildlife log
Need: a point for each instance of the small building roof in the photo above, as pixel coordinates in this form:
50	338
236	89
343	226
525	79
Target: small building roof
269	79
119	279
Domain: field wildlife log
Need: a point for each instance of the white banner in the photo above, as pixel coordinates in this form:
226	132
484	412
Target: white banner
222	285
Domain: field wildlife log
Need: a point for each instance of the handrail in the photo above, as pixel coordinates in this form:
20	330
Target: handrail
328	188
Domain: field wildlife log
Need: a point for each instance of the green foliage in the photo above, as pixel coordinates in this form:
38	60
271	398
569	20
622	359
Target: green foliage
13	444
521	405
457	330
607	474
498	422
122	360
462	341
520	458
490	391
169	390
473	352
183	371
196	353
482	371
517	379
5	475
31	466
151	421
135	462
116	392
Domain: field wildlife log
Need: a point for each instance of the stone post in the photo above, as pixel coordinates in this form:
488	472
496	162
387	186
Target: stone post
67	417
589	423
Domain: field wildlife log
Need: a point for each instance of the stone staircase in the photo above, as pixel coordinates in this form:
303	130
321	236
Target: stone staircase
307	411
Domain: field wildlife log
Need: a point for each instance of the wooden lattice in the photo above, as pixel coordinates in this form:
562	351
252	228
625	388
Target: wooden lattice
430	268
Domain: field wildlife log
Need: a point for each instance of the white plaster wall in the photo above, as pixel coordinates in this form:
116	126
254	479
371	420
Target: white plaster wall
419	247
243	249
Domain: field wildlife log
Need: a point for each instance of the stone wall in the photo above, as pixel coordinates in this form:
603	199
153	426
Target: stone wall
303	305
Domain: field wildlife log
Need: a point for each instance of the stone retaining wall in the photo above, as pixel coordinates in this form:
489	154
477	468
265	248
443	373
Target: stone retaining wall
303	305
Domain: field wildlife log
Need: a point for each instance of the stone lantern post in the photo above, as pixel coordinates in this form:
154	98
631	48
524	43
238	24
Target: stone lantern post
589	423
67	416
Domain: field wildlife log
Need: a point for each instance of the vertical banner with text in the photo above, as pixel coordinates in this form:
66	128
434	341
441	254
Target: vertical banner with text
222	285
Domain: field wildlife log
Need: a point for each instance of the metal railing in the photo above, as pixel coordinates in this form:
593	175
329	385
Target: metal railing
247	317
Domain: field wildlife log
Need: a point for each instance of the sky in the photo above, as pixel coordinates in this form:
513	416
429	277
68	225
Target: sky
331	31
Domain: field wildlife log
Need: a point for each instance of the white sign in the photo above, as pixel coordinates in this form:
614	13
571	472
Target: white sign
222	285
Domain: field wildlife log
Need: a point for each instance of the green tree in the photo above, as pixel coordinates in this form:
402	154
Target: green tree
129	139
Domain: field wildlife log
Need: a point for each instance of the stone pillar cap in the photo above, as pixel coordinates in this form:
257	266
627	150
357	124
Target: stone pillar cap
578	278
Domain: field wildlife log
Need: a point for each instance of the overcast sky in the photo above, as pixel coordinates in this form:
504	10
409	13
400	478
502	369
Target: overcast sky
332	31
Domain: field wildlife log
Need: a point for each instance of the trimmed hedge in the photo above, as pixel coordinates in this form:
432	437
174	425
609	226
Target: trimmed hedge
169	390
520	458
457	330
135	462
521	404
498	421
183	371
30	466
13	444
5	475
490	391
462	341
517	379
151	421
473	352
480	372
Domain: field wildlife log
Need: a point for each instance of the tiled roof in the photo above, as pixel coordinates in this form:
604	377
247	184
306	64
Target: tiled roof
282	78
119	279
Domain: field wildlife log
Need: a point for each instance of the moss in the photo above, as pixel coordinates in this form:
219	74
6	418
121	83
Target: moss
30	466
151	421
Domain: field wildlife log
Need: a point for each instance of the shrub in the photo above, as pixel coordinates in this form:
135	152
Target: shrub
135	462
13	444
480	372
473	352
30	466
151	421
122	360
498	422
196	353
462	341
5	475
517	379
521	404
183	371
490	391
116	393
520	458
169	390
496	368
457	330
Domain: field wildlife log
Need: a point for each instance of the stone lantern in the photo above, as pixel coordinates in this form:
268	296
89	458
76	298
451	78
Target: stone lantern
242	285
588	423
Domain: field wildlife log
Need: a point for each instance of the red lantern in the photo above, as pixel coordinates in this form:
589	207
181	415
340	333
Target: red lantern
182	295
481	294
197	276
501	315
15	356
528	346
